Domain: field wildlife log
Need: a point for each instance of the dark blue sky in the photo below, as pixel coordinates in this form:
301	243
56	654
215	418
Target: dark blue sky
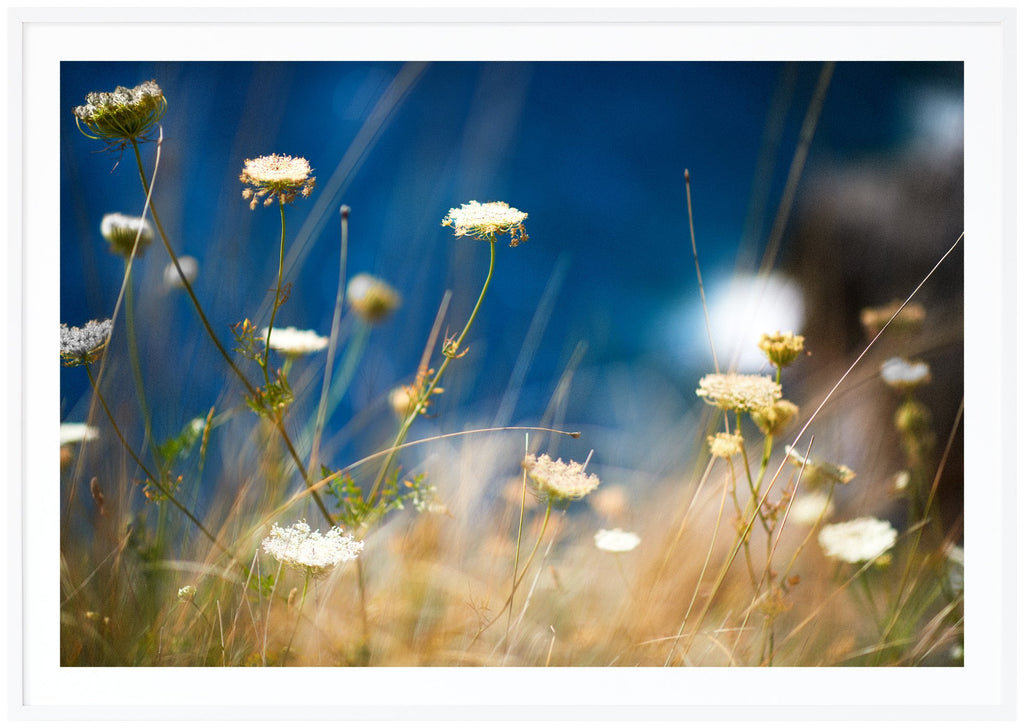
593	151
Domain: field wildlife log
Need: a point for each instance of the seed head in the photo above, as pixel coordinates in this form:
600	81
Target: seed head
122	116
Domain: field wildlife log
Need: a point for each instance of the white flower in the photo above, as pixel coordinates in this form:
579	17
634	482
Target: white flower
861	539
557	480
122	230
616	540
739	392
807	508
371	298
293	342
725	445
481	220
298	548
276	176
189	266
901	374
77	432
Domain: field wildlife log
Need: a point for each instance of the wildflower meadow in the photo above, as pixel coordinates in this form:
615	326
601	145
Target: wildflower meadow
511	364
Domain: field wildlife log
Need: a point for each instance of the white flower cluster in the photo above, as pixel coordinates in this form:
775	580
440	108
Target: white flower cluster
300	548
293	342
481	220
557	480
71	432
901	374
121	231
861	539
739	392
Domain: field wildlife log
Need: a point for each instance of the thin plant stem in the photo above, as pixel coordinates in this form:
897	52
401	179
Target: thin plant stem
277	297
298	617
157	483
451	351
519	541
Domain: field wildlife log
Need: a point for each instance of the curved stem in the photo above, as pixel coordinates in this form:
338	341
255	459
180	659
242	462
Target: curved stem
451	351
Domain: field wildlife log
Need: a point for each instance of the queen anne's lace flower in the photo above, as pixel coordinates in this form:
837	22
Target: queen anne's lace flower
616	540
481	220
189	266
817	471
298	547
276	176
83	345
371	298
121	232
559	481
293	342
861	539
122	116
781	349
739	392
809	508
725	445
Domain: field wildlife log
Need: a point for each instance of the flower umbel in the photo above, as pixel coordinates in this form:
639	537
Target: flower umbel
71	432
276	176
559	481
616	540
902	375
122	116
298	547
861	539
781	349
372	299
725	445
818	471
83	345
739	392
121	231
293	342
481	220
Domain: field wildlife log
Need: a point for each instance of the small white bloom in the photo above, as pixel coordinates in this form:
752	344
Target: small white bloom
616	540
807	508
293	342
71	432
902	374
121	232
315	553
371	298
189	266
861	539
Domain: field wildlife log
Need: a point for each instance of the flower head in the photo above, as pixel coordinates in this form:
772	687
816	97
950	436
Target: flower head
725	445
739	392
781	349
122	116
121	231
902	375
189	266
276	176
187	593
861	539
293	342
298	547
819	471
71	432
616	540
559	481
372	299
83	345
908	320
773	420
482	220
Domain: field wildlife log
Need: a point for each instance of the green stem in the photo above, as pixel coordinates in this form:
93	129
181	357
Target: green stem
277	298
133	356
450	352
213	337
149	475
